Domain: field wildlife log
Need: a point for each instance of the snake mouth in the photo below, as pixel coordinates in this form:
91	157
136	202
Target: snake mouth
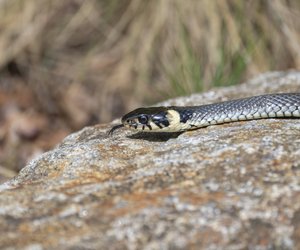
133	125
140	127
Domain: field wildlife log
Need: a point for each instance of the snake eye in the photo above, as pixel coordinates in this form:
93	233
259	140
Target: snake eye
143	119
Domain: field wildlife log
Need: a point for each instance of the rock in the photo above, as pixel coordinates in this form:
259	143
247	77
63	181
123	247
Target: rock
232	186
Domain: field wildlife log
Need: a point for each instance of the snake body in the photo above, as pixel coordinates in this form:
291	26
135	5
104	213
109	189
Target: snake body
182	118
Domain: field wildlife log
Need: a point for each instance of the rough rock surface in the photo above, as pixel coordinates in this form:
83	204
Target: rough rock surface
231	186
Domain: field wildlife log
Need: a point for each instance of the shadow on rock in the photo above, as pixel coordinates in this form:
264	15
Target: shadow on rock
155	136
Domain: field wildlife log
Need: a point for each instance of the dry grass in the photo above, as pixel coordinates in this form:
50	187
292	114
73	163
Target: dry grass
93	60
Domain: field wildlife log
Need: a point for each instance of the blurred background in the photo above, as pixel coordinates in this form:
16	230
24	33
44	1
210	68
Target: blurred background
68	64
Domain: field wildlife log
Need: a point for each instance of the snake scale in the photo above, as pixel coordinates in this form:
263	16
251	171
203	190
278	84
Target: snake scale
182	118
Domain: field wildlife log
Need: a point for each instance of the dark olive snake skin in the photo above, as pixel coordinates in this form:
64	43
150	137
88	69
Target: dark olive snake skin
177	118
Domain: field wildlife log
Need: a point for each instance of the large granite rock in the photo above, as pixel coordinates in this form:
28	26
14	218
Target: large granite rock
232	186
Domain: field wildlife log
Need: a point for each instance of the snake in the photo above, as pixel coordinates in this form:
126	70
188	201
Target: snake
183	118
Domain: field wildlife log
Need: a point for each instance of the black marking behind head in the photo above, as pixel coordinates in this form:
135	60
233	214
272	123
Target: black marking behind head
111	131
185	113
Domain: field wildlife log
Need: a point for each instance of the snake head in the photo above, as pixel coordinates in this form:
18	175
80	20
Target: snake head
154	119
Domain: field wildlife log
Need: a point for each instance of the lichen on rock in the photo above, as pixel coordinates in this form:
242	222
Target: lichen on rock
228	186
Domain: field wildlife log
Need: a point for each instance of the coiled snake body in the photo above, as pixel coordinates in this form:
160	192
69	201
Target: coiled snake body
177	118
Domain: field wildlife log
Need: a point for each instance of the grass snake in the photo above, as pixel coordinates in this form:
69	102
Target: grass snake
182	118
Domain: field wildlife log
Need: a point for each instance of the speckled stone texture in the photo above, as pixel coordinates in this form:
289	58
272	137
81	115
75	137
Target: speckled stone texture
231	186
